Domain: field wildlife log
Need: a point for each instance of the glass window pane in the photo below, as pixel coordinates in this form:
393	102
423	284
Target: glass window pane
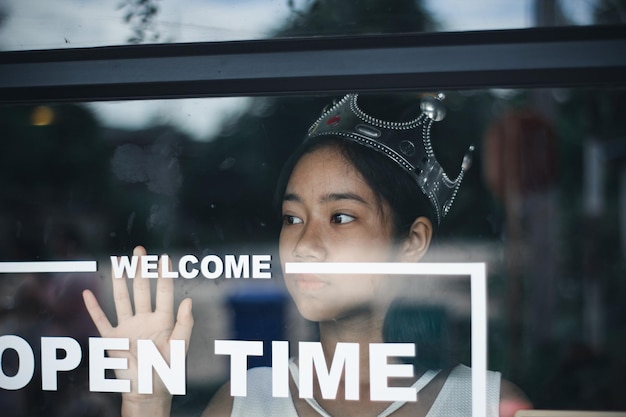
542	205
32	24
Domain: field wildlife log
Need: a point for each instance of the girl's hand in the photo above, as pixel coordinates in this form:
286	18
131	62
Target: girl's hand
145	322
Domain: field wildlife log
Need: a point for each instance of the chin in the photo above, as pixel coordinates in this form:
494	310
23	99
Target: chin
315	313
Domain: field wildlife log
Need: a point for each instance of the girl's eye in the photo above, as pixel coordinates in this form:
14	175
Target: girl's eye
288	219
341	218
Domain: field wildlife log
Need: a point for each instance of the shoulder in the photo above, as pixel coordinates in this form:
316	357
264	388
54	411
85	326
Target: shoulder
512	399
503	397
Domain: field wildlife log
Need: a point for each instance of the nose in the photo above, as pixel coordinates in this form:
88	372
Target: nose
310	244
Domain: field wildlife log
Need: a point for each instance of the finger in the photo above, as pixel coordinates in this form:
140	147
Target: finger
97	315
165	291
184	323
141	286
123	308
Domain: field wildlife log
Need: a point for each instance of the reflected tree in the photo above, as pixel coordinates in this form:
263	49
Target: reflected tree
140	15
610	12
336	17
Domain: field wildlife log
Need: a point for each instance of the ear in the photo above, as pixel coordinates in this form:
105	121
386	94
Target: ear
417	242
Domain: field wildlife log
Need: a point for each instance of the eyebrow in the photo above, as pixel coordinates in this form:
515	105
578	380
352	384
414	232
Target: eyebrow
329	197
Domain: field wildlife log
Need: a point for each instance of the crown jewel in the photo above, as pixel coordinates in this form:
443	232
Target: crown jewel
407	143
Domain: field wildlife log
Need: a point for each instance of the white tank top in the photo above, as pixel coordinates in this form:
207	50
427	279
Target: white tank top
454	400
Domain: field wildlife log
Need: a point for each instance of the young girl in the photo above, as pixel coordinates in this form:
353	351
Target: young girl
359	189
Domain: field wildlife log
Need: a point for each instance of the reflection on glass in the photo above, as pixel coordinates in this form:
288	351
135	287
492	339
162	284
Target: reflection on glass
32	24
542	205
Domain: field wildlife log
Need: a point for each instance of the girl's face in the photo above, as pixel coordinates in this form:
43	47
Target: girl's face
330	214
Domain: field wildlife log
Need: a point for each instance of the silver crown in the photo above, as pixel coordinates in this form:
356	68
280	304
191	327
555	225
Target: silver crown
407	143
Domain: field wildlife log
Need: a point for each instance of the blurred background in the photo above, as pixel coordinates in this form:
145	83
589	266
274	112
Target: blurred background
544	203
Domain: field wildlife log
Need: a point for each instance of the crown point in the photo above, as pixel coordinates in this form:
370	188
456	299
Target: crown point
433	108
333	121
467	160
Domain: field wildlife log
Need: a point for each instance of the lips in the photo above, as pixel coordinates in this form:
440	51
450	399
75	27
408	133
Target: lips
307	282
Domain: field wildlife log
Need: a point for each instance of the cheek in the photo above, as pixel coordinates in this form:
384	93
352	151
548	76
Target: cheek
362	289
370	249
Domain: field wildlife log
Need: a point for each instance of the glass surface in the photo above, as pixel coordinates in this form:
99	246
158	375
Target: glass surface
34	24
543	205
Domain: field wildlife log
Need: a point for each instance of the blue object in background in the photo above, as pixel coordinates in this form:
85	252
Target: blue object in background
259	315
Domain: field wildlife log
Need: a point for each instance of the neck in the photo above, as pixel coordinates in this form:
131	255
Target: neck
363	329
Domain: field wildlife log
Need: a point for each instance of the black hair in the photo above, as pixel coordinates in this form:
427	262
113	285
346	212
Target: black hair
389	182
428	327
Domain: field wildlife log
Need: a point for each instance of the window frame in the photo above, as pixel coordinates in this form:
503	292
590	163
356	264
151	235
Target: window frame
525	58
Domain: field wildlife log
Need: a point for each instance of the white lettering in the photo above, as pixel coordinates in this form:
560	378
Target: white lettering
122	264
206	271
99	363
50	365
182	266
166	270
236	268
171	371
280	369
312	356
380	370
239	350
26	361
211	266
149	266
258	266
149	357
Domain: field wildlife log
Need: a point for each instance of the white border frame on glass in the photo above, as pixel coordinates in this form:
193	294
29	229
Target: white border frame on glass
478	282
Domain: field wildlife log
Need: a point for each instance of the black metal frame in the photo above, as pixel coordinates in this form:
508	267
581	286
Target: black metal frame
552	57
